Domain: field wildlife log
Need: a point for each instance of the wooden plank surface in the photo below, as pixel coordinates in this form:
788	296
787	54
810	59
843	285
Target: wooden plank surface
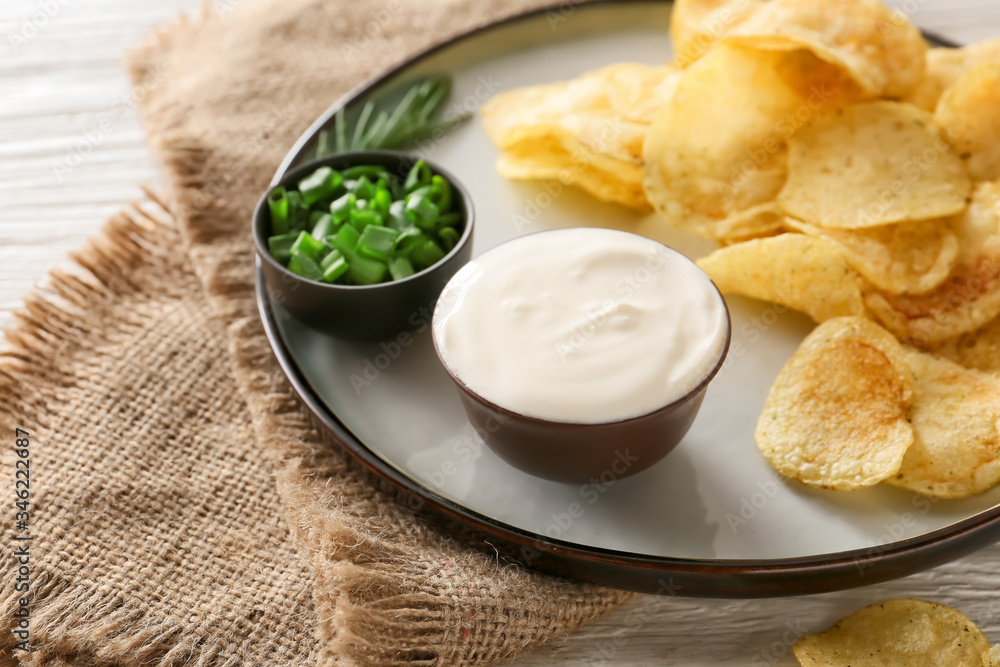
64	169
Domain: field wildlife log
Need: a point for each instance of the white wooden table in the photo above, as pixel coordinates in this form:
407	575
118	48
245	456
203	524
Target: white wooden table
66	77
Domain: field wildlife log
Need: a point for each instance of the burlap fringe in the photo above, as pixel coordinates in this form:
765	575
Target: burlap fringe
89	616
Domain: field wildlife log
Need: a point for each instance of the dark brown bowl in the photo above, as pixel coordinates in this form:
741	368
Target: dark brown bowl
361	312
578	453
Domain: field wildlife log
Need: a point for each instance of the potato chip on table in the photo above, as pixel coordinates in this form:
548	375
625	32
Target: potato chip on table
717	149
968	116
902	258
836	417
588	131
696	25
871	164
955	416
969	298
898	633
802	272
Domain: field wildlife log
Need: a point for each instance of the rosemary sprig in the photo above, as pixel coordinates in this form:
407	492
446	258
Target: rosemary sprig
379	124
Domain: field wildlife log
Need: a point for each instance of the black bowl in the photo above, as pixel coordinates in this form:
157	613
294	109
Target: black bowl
361	312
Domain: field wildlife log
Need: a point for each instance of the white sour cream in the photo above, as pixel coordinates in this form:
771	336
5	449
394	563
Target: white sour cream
581	325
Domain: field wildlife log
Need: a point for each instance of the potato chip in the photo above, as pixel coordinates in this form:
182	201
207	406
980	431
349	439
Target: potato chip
548	159
967	115
588	132
946	65
877	46
894	633
956	444
969	298
718	147
801	272
872	164
695	25
903	258
979	349
754	223
836	417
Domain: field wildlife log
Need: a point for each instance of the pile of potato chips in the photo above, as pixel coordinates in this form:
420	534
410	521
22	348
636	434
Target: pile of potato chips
907	632
848	171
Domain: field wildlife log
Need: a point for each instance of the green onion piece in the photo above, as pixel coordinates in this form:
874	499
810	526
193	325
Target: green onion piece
371	171
441	192
449	237
314	217
323	144
397	216
330	258
376	242
408	240
277	202
381	202
298	213
363	188
281	246
320	184
422	191
449	219
310	247
357	141
364	271
304	265
419	176
341	208
340	127
324	227
336	268
362	217
426	254
421	211
361	203
346	240
400	268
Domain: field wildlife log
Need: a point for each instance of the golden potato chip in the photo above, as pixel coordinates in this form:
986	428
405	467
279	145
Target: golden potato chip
969	298
967	115
956	444
836	417
979	349
880	49
608	110
897	633
801	272
754	223
946	65
548	159
903	258
872	164
718	147
695	25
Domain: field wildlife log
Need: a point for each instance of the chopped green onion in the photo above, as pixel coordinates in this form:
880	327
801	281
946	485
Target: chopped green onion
440	192
363	188
408	240
341	208
306	244
397	216
304	265
381	202
362	217
324	227
298	214
335	270
376	242
449	237
371	171
346	240
449	219
322	183
277	203
281	246
365	271
400	268
421	211
420	175
426	254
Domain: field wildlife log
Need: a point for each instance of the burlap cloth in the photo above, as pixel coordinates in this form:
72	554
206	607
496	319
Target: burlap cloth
183	508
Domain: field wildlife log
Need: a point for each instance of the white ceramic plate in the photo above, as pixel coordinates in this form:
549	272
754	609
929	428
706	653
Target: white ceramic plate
713	513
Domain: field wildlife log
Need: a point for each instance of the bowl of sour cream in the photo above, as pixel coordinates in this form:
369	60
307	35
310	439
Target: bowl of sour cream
581	352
